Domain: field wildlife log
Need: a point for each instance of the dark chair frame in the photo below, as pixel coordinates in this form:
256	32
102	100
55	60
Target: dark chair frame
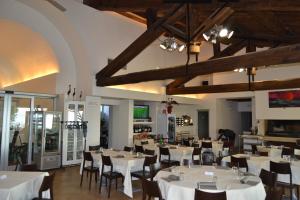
239	162
164	151
87	156
110	175
139	148
201	195
127	148
94	148
150	163
47	184
149	152
151	189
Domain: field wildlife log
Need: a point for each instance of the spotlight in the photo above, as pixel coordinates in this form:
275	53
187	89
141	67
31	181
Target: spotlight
181	48
163	46
206	36
170	44
230	34
223	32
241	69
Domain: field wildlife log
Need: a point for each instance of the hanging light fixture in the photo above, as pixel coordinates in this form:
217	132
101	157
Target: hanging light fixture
218	31
170	44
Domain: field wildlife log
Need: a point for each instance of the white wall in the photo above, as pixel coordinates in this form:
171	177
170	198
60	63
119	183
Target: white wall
92	115
121	133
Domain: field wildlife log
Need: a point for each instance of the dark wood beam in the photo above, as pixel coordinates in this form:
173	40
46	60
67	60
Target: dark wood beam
134	17
151	34
228	51
203	5
276	56
217	17
237	87
175	32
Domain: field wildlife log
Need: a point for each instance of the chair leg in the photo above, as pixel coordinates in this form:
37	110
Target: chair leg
100	184
96	178
116	183
109	187
144	196
298	192
91	174
81	178
106	181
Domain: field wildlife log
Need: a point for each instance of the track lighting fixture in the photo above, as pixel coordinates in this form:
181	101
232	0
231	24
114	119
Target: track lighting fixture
170	44
218	31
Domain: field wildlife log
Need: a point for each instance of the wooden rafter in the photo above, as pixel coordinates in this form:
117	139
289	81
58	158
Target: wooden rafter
276	56
151	34
228	51
241	5
236	87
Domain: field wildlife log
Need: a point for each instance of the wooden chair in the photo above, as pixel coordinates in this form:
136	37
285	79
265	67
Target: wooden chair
196	162
186	143
206	145
148	162
87	157
167	162
287	152
239	162
196	152
94	148
29	168
149	152
110	175
254	149
201	195
47	184
196	145
144	142
151	189
284	168
268	178
139	149
126	148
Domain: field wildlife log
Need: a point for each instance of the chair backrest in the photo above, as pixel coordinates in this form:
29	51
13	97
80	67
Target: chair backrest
263	153
196	162
94	148
280	168
126	148
196	152
253	148
29	168
106	160
151	189
47	184
208	158
139	148
268	178
298	142
186	142
165	152
207	145
195	145
201	195
149	152
239	162
287	151
144	142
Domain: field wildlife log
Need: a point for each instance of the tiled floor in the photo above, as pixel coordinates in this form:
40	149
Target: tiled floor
67	187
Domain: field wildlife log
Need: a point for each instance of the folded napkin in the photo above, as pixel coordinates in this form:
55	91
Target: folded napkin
207	185
171	178
2	177
119	156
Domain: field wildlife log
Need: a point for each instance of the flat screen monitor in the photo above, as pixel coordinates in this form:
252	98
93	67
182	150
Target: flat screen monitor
141	112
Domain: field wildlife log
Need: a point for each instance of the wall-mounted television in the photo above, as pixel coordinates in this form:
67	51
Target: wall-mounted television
288	98
141	112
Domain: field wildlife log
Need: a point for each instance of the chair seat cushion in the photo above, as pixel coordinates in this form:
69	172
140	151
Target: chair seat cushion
140	174
113	174
170	162
90	168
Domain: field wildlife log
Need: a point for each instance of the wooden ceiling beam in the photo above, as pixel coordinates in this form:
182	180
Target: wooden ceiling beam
276	56
151	34
237	87
203	5
134	17
228	51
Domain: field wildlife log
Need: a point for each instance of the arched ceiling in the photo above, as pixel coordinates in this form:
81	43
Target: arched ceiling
24	54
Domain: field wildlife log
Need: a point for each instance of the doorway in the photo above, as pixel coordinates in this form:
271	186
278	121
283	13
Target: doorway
105	124
203	124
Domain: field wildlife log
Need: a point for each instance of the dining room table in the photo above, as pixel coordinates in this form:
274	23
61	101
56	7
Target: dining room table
256	163
123	162
177	183
16	185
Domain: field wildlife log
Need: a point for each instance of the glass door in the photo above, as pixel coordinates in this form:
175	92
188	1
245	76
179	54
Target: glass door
19	130
52	130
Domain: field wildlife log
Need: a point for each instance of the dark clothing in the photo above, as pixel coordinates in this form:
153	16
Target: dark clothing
226	134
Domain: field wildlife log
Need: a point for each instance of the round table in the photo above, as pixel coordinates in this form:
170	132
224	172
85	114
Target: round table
225	178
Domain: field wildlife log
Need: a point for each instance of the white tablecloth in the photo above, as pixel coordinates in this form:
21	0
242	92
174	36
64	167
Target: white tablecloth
256	163
21	185
178	153
226	180
124	165
272	151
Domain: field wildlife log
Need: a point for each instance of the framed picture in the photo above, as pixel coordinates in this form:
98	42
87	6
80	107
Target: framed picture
280	99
